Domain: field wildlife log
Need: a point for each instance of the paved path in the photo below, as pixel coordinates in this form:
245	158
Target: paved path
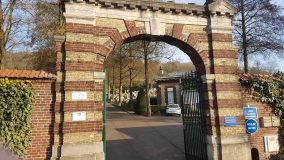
133	137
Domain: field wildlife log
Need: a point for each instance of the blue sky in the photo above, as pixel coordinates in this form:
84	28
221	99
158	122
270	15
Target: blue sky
281	2
191	1
185	58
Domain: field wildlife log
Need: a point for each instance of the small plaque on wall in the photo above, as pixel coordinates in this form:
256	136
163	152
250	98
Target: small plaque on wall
230	121
79	116
79	95
250	112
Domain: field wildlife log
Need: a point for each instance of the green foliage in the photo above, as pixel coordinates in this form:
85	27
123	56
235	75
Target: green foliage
269	90
141	104
123	106
16	101
153	101
158	108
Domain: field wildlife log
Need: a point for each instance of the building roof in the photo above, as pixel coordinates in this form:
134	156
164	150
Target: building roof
6	73
170	76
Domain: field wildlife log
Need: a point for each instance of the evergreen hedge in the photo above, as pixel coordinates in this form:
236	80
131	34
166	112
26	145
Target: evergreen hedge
158	109
141	105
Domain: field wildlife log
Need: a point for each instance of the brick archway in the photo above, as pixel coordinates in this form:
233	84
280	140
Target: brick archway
94	28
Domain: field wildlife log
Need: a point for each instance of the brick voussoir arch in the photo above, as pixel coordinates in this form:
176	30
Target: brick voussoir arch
141	30
113	33
116	38
191	48
131	28
177	30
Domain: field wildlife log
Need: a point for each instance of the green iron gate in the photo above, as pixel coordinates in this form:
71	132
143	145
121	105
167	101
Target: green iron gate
193	116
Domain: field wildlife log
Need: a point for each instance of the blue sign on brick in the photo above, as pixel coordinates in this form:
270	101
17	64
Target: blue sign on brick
250	112
251	126
230	121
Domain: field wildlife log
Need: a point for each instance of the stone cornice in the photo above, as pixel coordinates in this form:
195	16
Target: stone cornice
177	8
216	7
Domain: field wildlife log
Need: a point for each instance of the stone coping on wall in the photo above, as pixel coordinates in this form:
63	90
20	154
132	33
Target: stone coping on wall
247	77
244	77
7	73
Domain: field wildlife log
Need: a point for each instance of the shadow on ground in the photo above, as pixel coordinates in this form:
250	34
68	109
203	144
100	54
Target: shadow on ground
133	137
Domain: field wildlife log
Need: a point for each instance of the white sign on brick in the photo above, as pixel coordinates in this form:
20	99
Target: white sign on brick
79	116
79	95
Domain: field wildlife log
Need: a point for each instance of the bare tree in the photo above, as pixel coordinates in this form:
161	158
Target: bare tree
120	58
47	21
134	66
30	25
112	74
259	26
9	25
150	51
12	61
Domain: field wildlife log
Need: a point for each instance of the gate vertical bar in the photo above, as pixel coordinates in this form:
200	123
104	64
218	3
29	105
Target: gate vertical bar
104	114
194	125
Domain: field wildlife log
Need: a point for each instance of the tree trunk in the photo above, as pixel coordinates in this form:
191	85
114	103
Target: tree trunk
120	83
245	54
120	94
2	49
113	85
108	86
2	56
147	85
130	91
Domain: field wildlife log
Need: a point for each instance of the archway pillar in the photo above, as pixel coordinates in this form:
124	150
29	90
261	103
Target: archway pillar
78	110
223	142
223	97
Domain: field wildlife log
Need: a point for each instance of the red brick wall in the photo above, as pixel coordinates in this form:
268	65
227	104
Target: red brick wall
164	90
159	94
256	140
42	121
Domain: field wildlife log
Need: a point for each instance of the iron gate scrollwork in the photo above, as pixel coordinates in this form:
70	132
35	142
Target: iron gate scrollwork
193	115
